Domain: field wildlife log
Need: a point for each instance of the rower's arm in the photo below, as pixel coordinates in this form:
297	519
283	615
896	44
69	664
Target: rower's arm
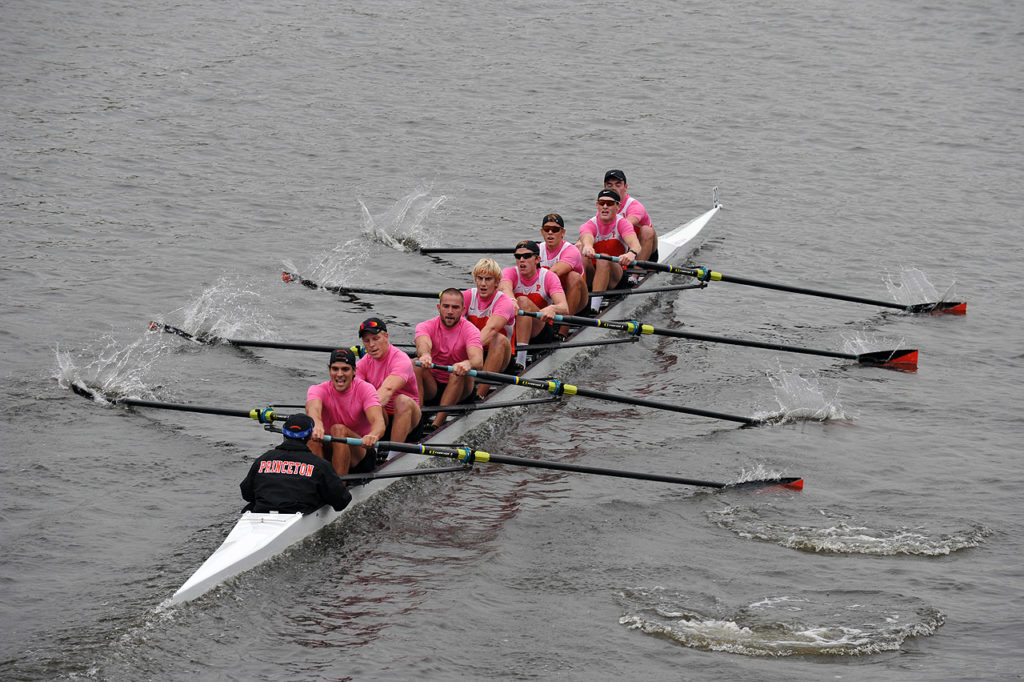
476	357
388	388
495	323
424	347
314	408
561	305
561	268
375	414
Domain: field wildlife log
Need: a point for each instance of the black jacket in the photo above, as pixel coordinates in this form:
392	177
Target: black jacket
291	479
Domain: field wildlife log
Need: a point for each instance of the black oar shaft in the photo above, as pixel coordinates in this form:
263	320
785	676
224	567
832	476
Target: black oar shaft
241	342
263	415
719	277
810	292
465	249
291	277
470	455
560	388
648	329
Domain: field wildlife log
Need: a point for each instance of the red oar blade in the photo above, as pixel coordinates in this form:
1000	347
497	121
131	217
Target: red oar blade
904	359
940	308
772	484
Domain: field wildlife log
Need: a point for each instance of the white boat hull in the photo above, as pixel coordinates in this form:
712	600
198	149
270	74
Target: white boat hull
259	537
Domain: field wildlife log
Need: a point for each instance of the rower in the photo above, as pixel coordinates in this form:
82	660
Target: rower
633	211
448	339
345	407
609	234
535	290
390	371
290	479
494	314
563	259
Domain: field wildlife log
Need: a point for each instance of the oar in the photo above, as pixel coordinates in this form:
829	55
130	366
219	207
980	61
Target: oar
559	388
469	456
703	274
647	290
291	277
360	351
401	474
265	415
212	340
466	249
897	359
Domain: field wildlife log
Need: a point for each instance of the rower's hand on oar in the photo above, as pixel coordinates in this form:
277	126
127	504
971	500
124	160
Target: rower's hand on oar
318	431
425	361
626	259
548	314
461	369
369	440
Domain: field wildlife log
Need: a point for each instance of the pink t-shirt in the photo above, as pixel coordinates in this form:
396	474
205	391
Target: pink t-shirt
568	254
601	231
631	208
395	363
348	408
448	345
479	312
538	290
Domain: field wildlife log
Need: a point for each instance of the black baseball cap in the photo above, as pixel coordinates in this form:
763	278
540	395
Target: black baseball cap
614	175
343	355
528	244
372	325
552	218
609	194
299	425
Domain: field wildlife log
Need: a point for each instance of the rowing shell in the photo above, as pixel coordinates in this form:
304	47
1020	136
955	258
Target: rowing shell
258	537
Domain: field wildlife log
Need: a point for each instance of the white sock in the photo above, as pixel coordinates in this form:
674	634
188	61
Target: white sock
595	302
521	357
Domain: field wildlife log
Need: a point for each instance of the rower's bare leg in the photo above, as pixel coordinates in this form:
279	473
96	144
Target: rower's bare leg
576	296
524	324
407	415
648	242
457	390
499	352
606	275
345	456
426	382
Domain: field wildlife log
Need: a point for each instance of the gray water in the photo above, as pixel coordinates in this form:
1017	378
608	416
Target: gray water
165	161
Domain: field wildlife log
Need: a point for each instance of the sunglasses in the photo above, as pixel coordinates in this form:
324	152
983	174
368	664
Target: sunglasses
552	228
523	256
606	202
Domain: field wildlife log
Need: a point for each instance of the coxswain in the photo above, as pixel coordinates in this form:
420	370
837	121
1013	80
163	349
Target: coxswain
494	314
633	211
290	479
609	234
563	259
448	339
534	290
344	407
390	371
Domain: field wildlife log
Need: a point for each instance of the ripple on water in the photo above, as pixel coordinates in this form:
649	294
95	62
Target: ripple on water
834	623
848	536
